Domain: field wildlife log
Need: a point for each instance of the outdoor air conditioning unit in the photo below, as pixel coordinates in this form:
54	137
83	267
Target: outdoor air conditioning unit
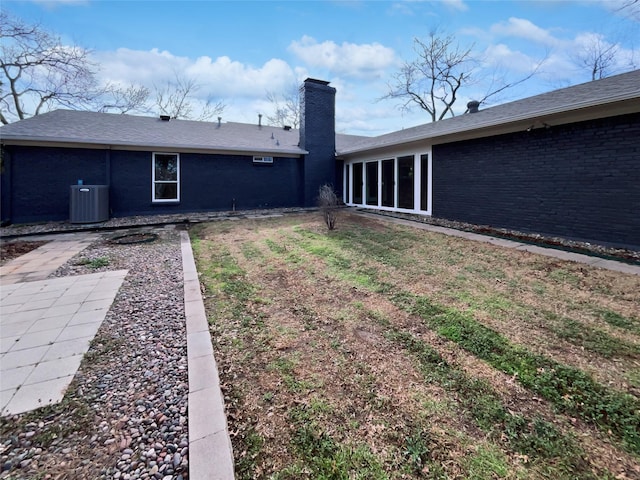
89	203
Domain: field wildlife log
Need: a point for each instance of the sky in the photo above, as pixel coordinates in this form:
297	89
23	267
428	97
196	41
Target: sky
240	51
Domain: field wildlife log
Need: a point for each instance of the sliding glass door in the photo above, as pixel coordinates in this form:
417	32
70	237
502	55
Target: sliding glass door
424	182
400	183
372	183
357	183
406	187
388	183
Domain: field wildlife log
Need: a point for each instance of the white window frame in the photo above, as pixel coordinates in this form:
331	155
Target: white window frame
417	169
154	182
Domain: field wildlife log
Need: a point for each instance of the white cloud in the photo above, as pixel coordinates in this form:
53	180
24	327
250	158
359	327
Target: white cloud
367	60
522	28
407	7
51	4
219	78
458	5
500	55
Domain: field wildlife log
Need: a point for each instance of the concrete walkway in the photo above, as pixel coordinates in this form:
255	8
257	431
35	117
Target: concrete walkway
46	325
43	261
549	252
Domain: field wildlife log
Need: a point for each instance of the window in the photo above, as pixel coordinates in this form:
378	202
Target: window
263	160
166	177
346	184
405	182
357	183
388	183
372	183
424	182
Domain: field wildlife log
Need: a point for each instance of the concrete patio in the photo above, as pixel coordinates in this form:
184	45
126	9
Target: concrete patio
46	325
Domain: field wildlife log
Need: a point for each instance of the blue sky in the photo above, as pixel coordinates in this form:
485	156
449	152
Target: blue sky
238	51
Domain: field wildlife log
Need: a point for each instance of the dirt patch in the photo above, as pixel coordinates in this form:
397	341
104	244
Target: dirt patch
11	250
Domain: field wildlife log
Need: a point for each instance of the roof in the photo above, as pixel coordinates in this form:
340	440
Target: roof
129	131
621	92
610	96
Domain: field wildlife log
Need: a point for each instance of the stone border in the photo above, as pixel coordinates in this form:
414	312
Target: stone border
210	450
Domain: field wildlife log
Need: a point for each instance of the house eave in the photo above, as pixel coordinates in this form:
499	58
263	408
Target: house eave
71	143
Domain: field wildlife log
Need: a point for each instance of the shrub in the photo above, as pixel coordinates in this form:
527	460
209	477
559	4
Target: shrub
328	204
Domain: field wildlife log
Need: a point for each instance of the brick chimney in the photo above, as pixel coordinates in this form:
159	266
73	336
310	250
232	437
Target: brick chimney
317	136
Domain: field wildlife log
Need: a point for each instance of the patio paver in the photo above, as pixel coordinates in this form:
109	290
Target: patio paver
46	327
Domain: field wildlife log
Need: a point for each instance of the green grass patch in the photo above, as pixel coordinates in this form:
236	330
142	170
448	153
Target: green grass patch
321	456
98	262
534	437
487	462
276	247
569	389
251	251
614	319
224	280
592	339
247	449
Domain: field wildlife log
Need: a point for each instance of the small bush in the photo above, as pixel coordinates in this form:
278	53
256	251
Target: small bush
328	204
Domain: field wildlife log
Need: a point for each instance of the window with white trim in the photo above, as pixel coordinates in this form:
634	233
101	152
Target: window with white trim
166	177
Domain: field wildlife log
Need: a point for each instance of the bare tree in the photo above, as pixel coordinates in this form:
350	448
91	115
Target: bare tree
328	203
286	107
123	100
177	99
39	72
433	80
630	8
598	57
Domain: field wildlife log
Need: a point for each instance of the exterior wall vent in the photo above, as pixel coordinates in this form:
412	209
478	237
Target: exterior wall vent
263	160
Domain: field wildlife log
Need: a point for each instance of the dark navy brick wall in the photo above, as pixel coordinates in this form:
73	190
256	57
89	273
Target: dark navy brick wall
41	178
207	183
577	181
318	137
220	181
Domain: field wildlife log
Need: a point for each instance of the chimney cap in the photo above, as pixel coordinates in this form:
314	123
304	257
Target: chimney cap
472	106
314	80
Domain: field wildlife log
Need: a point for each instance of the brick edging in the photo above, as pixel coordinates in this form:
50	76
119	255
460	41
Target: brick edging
210	450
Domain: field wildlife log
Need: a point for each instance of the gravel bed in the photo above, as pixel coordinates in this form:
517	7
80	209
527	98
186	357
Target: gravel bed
124	415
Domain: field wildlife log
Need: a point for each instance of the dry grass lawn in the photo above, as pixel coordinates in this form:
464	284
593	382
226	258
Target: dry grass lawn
379	351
